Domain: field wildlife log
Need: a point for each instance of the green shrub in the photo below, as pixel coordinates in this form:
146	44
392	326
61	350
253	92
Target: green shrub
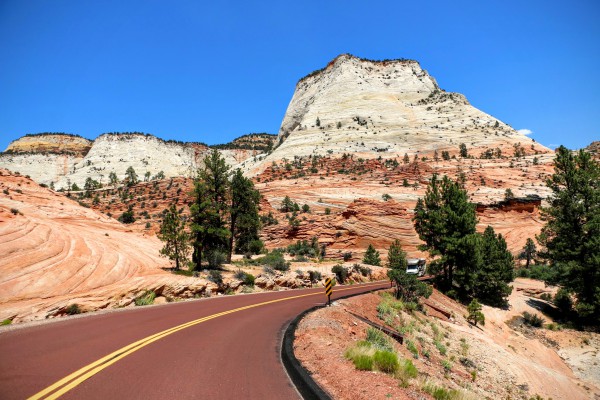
378	339
7	321
341	273
441	348
215	276
249	280
73	309
406	371
314	276
447	365
146	298
361	354
239	275
563	301
275	260
410	345
215	259
546	296
386	361
15	211
533	320
440	393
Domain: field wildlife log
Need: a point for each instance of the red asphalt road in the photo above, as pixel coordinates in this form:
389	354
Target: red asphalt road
235	356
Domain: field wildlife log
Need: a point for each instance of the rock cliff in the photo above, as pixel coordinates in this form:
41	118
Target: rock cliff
384	108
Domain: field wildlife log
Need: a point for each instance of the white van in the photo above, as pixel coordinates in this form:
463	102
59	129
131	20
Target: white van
416	266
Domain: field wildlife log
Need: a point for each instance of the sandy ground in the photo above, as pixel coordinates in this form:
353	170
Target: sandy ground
510	361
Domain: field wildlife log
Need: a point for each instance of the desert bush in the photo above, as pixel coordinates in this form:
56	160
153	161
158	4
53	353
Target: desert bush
347	256
562	300
145	299
215	259
275	260
410	345
533	320
406	371
386	361
378	339
215	276
73	309
7	321
314	276
341	273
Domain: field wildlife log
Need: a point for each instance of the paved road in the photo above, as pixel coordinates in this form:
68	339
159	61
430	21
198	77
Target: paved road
220	348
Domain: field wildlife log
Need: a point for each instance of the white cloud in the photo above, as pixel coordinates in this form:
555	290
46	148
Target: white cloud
525	131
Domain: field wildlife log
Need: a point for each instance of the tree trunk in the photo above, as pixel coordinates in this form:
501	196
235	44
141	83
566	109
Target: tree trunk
233	218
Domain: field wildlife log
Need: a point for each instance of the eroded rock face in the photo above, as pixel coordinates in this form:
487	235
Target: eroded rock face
51	143
56	253
64	160
377	108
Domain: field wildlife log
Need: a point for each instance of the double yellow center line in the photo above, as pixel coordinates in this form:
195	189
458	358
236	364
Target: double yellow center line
62	386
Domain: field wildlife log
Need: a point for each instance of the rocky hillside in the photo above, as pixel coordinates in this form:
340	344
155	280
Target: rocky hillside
62	160
385	108
58	143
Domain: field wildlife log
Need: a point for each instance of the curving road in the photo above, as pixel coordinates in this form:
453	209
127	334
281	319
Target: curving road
219	348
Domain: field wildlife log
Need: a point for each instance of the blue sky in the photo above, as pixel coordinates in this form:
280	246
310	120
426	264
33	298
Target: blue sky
212	71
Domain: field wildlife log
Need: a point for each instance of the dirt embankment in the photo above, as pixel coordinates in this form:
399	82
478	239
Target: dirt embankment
498	360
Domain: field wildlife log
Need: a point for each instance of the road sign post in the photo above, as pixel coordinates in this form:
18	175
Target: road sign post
328	289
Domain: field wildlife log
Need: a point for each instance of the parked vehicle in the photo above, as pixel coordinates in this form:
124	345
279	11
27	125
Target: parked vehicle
416	266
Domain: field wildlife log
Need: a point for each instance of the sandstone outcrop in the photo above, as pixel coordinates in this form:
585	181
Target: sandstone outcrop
56	253
385	108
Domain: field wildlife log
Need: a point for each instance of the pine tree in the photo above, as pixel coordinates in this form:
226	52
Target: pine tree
112	178
475	315
396	256
244	218
529	251
200	214
210	210
436	156
372	256
405	159
496	270
463	150
131	176
572	234
287	204
172	232
444	219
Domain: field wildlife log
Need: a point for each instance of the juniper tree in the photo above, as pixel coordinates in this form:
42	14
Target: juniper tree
444	219
571	236
371	256
131	176
244	218
172	232
396	256
529	251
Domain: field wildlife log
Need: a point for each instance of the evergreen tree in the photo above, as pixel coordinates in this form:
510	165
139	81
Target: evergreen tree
572	234
112	178
444	219
172	232
463	150
475	315
212	194
244	218
496	270
408	287
200	214
396	256
287	204
436	156
405	159
529	251
372	256
131	176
